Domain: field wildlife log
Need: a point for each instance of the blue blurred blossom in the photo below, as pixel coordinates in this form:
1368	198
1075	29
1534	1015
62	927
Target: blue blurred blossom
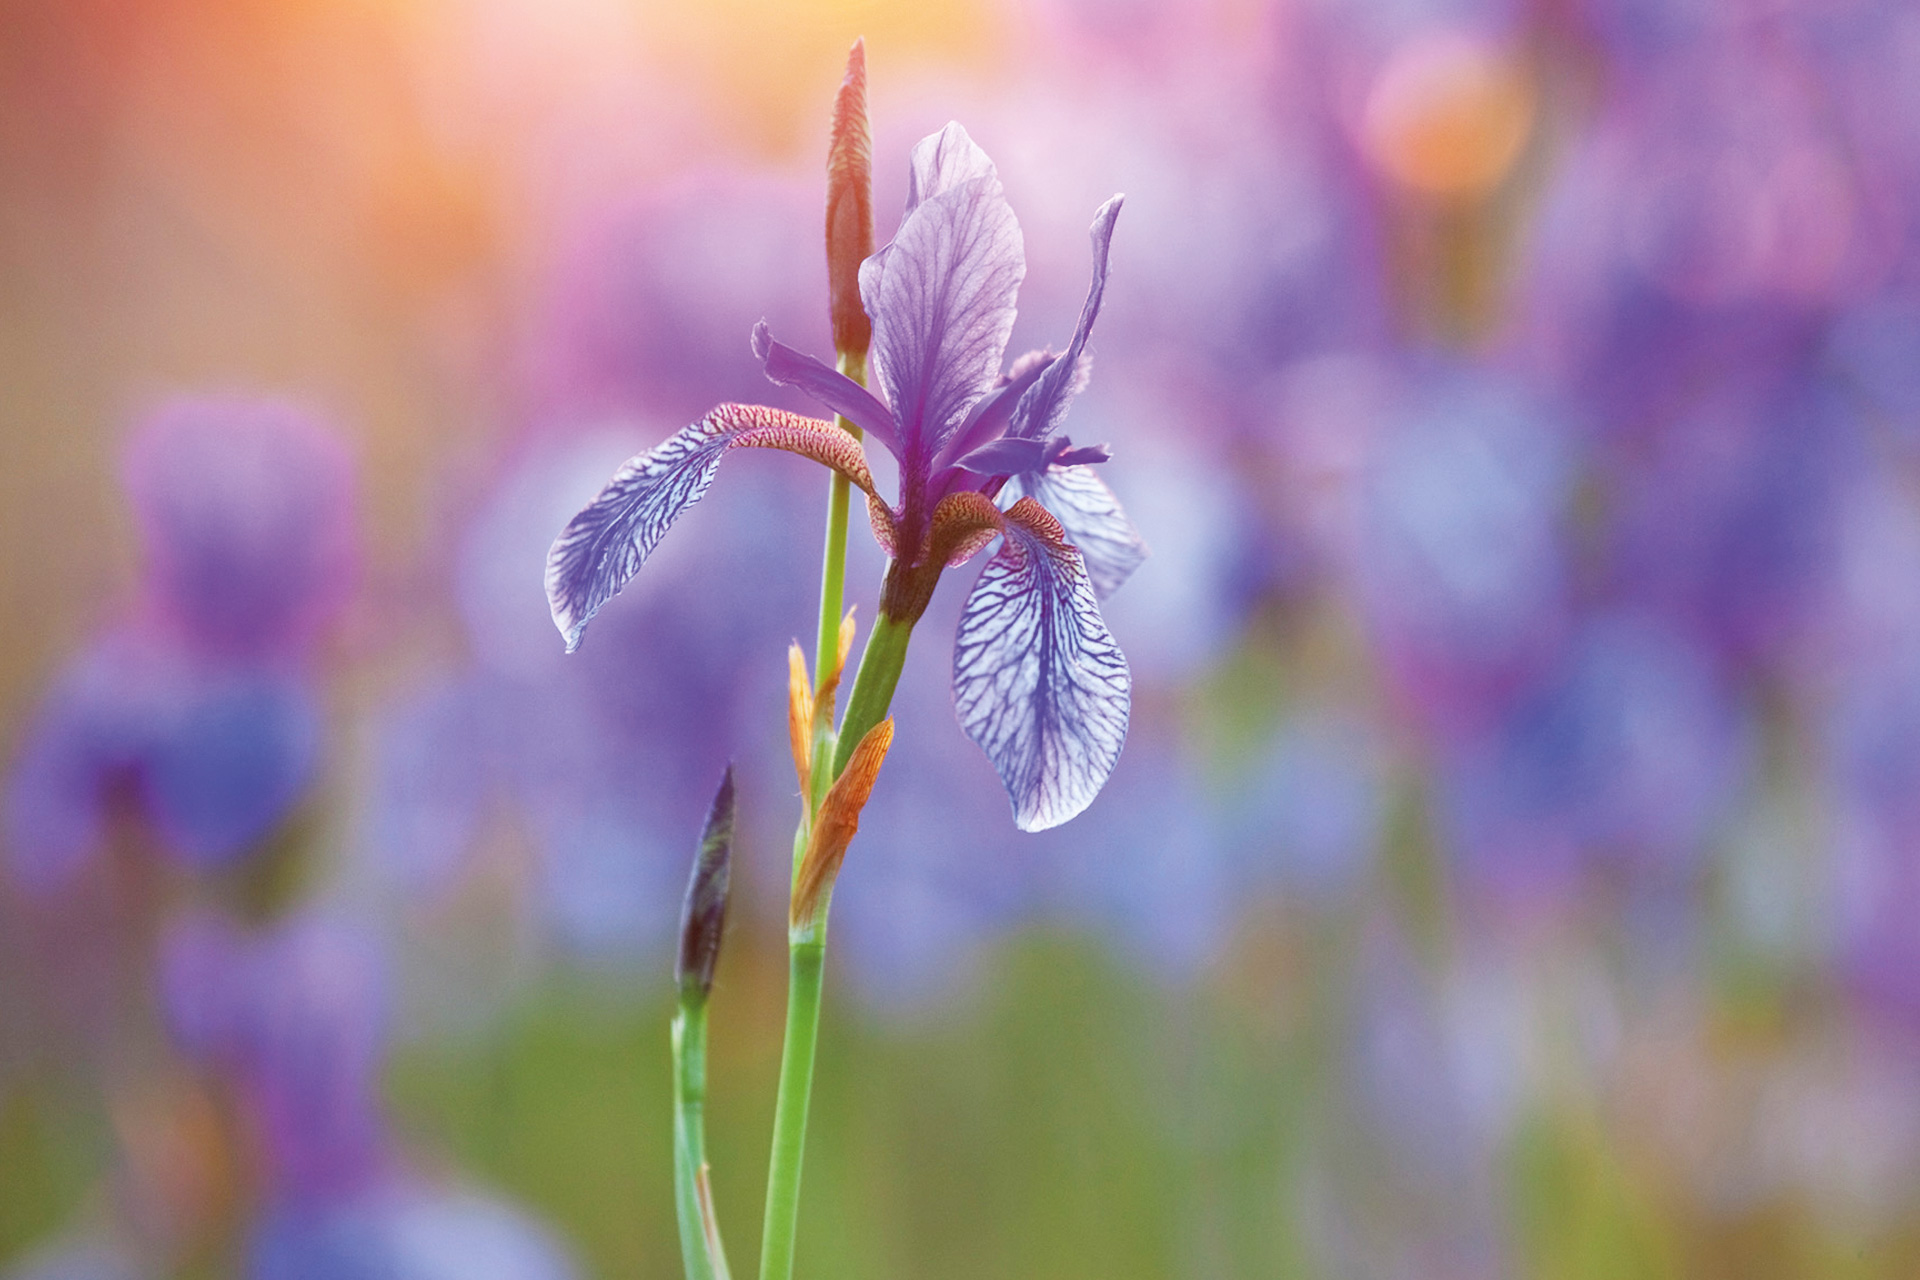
209	757
1732	521
1874	740
199	717
1624	753
1437	1069
1875	346
410	1233
293	1017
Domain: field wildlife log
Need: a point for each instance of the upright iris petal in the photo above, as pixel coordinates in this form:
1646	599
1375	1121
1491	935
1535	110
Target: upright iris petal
942	294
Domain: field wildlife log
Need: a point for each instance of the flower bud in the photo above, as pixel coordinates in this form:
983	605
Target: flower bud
704	913
849	207
836	823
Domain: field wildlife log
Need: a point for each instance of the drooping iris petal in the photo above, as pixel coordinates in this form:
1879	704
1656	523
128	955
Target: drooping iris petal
830	387
1038	681
1039	411
606	544
942	294
1095	523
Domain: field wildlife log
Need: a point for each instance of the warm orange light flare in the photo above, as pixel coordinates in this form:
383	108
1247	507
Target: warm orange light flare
1448	116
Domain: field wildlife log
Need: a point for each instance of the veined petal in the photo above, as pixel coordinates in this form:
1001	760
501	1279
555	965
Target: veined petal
605	545
1093	519
942	295
829	386
942	161
1040	410
1038	682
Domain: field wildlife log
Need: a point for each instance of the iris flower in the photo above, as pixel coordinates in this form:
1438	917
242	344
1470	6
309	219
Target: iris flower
1038	682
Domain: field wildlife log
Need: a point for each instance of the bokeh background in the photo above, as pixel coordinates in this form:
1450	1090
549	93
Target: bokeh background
1513	869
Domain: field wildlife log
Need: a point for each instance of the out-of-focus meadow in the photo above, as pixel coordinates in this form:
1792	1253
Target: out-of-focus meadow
1514	867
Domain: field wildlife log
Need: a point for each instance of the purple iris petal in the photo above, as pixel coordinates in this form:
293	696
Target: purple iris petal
1038	682
1040	410
1086	508
1005	457
606	544
942	294
831	388
988	418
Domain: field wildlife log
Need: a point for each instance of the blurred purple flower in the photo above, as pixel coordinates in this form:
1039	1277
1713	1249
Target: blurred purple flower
1051	716
407	1232
1734	521
199	718
210	756
246	508
1626	752
294	1018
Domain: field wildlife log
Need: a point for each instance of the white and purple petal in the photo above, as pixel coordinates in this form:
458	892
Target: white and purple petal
605	545
1093	519
942	294
1038	682
1040	411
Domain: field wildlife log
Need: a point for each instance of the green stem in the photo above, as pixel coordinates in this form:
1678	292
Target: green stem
880	665
700	1247
806	964
833	577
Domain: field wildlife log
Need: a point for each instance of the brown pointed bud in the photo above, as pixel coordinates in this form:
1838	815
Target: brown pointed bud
800	716
839	818
849	206
823	697
704	913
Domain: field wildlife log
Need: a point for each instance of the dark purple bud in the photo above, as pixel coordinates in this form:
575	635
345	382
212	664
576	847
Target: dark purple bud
849	206
704	914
